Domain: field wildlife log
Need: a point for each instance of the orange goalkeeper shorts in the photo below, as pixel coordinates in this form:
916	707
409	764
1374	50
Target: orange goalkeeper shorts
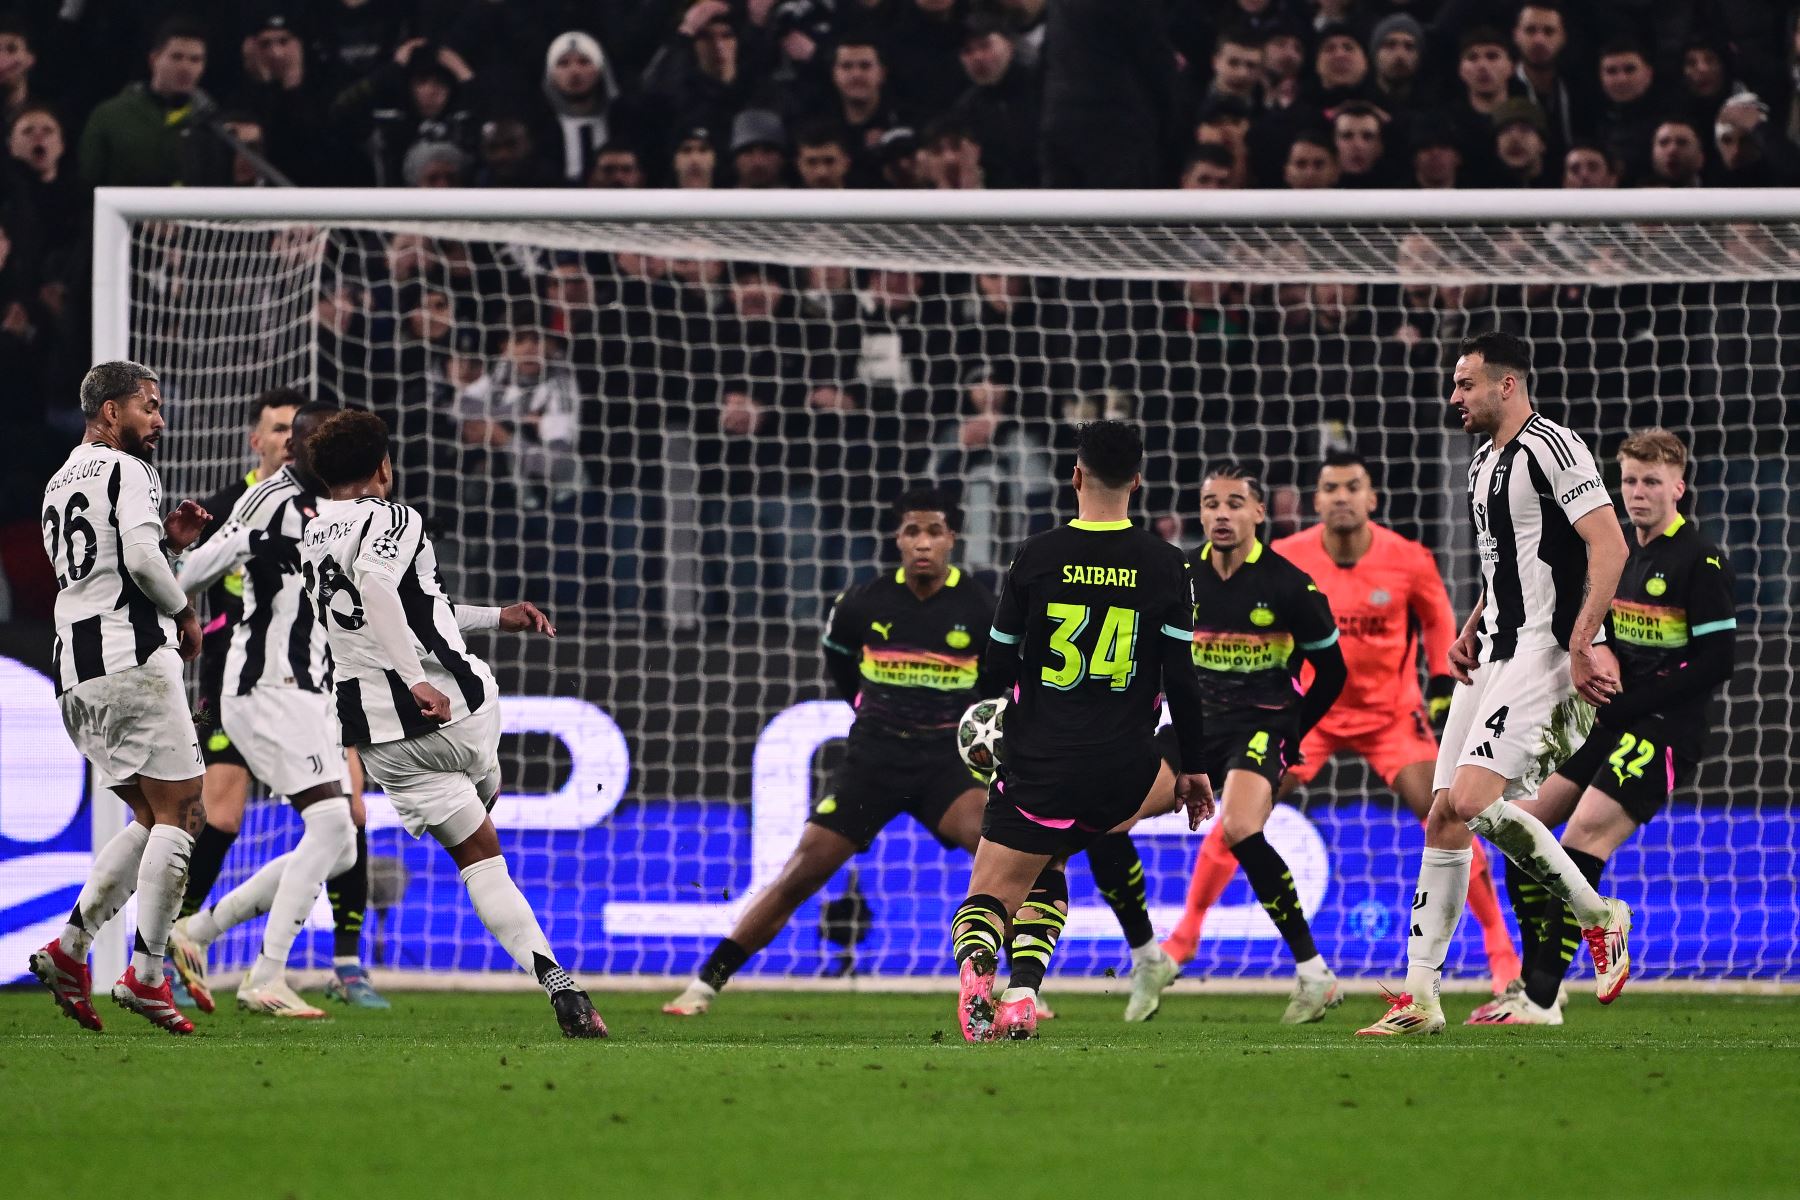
1388	750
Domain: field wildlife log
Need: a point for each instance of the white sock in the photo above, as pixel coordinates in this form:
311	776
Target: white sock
162	877
503	909
1314	969
339	960
328	838
245	902
703	988
1151	951
1525	840
1017	993
110	883
1437	906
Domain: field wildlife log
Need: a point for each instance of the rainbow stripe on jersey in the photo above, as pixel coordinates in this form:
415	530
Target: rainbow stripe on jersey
920	669
1655	626
1237	652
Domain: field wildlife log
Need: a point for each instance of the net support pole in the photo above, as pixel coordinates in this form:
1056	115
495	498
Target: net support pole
107	814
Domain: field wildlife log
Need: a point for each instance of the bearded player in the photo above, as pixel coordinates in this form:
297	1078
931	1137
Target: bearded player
1388	598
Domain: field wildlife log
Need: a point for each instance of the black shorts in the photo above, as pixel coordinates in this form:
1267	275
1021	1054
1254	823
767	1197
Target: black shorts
215	743
880	779
1060	807
1265	746
1634	766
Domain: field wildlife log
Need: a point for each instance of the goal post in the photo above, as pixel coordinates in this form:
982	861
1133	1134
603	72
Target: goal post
729	386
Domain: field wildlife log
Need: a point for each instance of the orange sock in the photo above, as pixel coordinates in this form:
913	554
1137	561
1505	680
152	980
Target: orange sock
1503	960
1213	870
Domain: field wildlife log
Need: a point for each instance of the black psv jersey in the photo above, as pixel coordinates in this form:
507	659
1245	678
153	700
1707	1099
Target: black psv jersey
919	659
1248	628
1096	609
1675	588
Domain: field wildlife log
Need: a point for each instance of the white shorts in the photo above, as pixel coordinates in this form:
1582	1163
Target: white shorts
1502	719
135	722
444	781
289	737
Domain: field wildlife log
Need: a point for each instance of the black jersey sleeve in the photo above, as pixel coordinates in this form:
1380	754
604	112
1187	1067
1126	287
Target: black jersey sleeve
1000	661
842	642
1316	637
1711	649
1180	677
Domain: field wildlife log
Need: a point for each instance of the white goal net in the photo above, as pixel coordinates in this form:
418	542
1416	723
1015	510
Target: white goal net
677	429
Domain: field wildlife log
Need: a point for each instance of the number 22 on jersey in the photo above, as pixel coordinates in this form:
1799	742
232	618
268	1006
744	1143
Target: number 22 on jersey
1114	655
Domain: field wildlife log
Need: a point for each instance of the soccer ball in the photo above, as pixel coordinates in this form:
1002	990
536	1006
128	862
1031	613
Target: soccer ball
980	735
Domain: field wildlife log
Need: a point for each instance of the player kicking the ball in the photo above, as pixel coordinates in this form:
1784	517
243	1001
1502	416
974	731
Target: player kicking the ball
1094	623
1387	597
410	696
123	629
1543	528
1674	629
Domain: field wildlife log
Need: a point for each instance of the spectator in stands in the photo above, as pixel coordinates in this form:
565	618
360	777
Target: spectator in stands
1706	78
525	412
435	165
348	40
1005	467
584	104
1312	162
895	158
135	139
1629	117
862	104
1209	168
1283	66
1340	66
698	76
1358	131
290	108
1752	153
1437	160
1677	155
424	95
247	130
616	165
509	158
1113	116
1237	68
1485	70
1520	147
1541	41
1396	44
35	139
1003	106
922	46
759	149
1588	164
821	158
951	155
695	163
1225	122
16	62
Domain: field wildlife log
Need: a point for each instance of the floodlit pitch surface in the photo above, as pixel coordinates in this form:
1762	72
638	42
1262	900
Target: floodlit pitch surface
795	1095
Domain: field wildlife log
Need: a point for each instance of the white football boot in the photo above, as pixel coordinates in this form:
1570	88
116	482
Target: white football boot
693	1002
1148	979
1612	957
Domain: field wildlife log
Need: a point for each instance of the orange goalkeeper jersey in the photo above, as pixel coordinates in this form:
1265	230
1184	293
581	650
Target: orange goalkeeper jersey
1390	601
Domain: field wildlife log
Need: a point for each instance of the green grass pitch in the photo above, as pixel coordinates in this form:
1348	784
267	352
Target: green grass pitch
801	1095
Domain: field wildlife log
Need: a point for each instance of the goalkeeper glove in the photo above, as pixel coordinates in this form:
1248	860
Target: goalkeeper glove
1437	699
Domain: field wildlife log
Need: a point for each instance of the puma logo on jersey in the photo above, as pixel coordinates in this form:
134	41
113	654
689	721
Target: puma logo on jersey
882	627
1715	562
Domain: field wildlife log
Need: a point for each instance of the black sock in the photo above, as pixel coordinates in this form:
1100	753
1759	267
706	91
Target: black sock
1561	938
349	895
1527	897
1273	884
1119	875
1034	938
979	924
204	866
722	963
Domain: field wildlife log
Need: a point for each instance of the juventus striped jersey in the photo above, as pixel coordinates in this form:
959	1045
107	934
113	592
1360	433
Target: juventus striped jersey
1525	498
277	640
104	622
346	545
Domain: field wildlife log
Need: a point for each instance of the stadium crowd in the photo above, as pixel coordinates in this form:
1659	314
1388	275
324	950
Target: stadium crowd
536	389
